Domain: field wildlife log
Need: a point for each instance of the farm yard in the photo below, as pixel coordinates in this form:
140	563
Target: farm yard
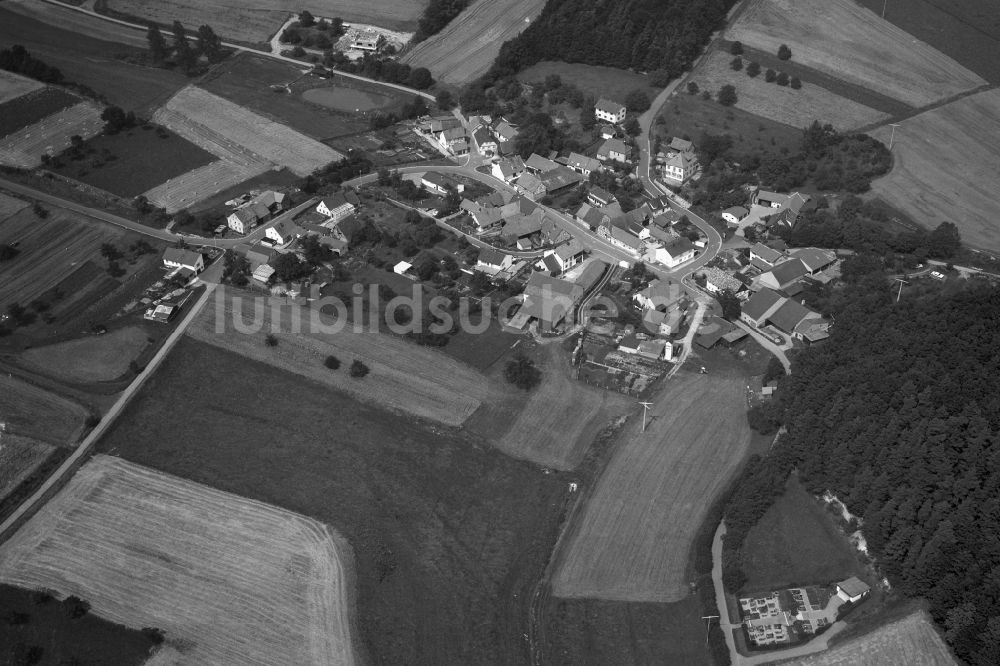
591	79
13	86
469	44
405	377
797	108
32	412
633	538
953	180
255	21
846	40
51	134
911	641
228	579
449	535
94	358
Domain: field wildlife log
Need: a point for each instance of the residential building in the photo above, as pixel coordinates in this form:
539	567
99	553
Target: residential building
453	140
583	164
504	131
243	219
569	254
439	124
788	206
255	211
530	186
508	169
598	196
284	232
782	275
610	112
789	315
489	217
679	167
622	238
256	255
485	141
629	344
614	150
717	281
439	184
591	217
607	132
337	206
263	273
675	252
492	260
734	214
175	257
660	205
549	299
659	295
760	306
764	257
852	590
538	165
769	199
811	330
559	179
652	349
368	40
814	258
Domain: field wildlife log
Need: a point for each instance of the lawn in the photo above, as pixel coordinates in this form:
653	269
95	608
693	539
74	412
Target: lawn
449	536
120	163
594	80
28	109
796	544
89	639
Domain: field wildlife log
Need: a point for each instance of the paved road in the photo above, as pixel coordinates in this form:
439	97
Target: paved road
79	455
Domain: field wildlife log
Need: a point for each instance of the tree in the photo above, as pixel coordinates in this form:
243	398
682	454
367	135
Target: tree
637	101
731	308
76	607
40	211
157	44
587	119
209	44
271	340
332	362
521	372
315	252
184	55
110	252
753	69
782	79
770	75
692	88
736	64
358	369
306	19
288	267
727	95
784	53
444	100
115	119
944	242
736	48
632	127
420	78
796	83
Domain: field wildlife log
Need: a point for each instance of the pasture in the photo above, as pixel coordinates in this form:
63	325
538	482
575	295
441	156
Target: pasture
846	40
28	109
633	538
35	413
51	134
449	534
120	163
593	80
955	180
93	358
469	44
13	86
797	108
255	21
911	641
405	377
228	579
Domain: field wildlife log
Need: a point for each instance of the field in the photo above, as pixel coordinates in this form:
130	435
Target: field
228	580
132	172
255	21
13	86
844	39
405	377
59	37
467	46
30	411
592	79
953	180
94	358
796	544
912	641
27	109
19	457
798	108
967	31
346	100
634	536
51	135
10	205
64	640
449	535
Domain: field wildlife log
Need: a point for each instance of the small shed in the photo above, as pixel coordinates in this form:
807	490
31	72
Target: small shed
402	268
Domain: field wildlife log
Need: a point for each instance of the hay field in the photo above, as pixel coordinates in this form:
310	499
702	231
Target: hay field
405	377
14	85
51	135
846	40
256	20
632	541
30	411
469	44
797	108
946	168
911	641
94	358
198	184
229	580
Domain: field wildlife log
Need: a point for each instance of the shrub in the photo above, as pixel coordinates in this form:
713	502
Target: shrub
796	83
753	69
271	340
692	88
154	634
782	79
736	48
298	52
332	362
358	369
736	64
784	53
770	75
521	372
76	607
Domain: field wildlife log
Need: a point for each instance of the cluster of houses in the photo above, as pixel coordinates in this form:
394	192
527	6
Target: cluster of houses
552	301
538	176
678	163
796	614
254	209
778	209
447	133
516	220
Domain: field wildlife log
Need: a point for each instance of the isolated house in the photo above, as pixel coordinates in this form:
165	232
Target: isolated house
368	40
614	150
852	590
175	257
336	206
609	112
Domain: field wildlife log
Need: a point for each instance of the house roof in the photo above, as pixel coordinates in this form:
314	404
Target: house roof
453	133
678	246
607	130
614	145
607	106
550	263
601	194
444	123
738	212
853	586
813	330
788	271
681	160
761	303
814	258
570	249
722	279
660	204
773	197
491	256
181	256
578	161
434	178
769	255
593	217
505	131
511	166
626	237
287	228
629	342
680	144
538	163
560	177
591	274
483	136
549	299
662	293
651	348
263	273
245	214
789	315
335	200
529	182
521	225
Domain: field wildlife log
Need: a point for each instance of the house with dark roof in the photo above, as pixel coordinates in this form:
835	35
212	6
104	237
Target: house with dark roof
559	179
674	252
284	232
538	165
549	299
485	141
814	258
530	186
610	112
255	211
614	150
569	254
508	169
761	306
591	217
812	330
598	196
622	238
852	590
659	205
505	131
790	314
257	254
659	295
492	260
764	257
783	275
583	164
734	214
175	257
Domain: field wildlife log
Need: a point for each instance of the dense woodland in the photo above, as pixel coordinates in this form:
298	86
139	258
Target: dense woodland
437	15
898	414
17	59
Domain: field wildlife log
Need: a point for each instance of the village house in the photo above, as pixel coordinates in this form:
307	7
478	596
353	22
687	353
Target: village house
788	207
680	162
852	590
338	205
569	254
785	314
621	237
814	258
598	196
439	184
255	211
453	140
530	186
659	295
591	217
734	215
765	258
508	169
582	164
610	112
760	306
674	252
485	141
560	179
368	40
284	232
537	165
256	255
607	132
493	261
782	276
489	217
717	281
505	132
175	257
614	150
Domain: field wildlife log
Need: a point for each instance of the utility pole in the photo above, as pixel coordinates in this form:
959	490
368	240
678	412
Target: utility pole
645	408
708	624
893	135
901	282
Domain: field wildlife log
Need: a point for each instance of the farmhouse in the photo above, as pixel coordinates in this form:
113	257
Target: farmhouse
761	306
788	206
493	261
337	206
558	179
659	295
439	184
175	257
764	257
284	232
734	215
785	314
609	112
531	186
614	150
485	141
453	140
257	255
814	258
583	164
717	280
621	237
782	276
504	131
675	252
368	40
852	590
569	255
790	314
257	210
538	165
591	217
508	169
549	299
488	217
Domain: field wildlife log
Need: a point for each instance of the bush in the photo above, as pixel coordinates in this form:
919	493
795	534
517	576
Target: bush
637	101
736	64
298	52
76	607
332	362
521	372
727	95
784	53
736	48
154	634
796	83
753	69
8	252
782	79
271	340
358	369
39	210
692	88
770	75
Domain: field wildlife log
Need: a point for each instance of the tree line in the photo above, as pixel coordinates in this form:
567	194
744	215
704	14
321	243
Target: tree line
180	53
17	59
437	15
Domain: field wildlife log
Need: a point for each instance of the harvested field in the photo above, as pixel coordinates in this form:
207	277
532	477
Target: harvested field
197	184
912	641
131	171
405	377
228	580
798	108
254	21
846	40
50	135
953	180
13	86
95	358
634	536
32	412
450	535
467	47
19	457
591	79
28	109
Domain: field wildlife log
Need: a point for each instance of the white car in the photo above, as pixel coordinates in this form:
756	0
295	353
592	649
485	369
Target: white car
936	275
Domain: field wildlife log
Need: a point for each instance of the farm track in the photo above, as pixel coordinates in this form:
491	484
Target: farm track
51	135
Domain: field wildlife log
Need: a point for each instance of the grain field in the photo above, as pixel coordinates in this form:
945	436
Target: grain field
846	40
51	135
632	541
13	86
468	45
229	580
946	168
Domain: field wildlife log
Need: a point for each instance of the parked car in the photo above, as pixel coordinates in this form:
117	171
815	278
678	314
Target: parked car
937	275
